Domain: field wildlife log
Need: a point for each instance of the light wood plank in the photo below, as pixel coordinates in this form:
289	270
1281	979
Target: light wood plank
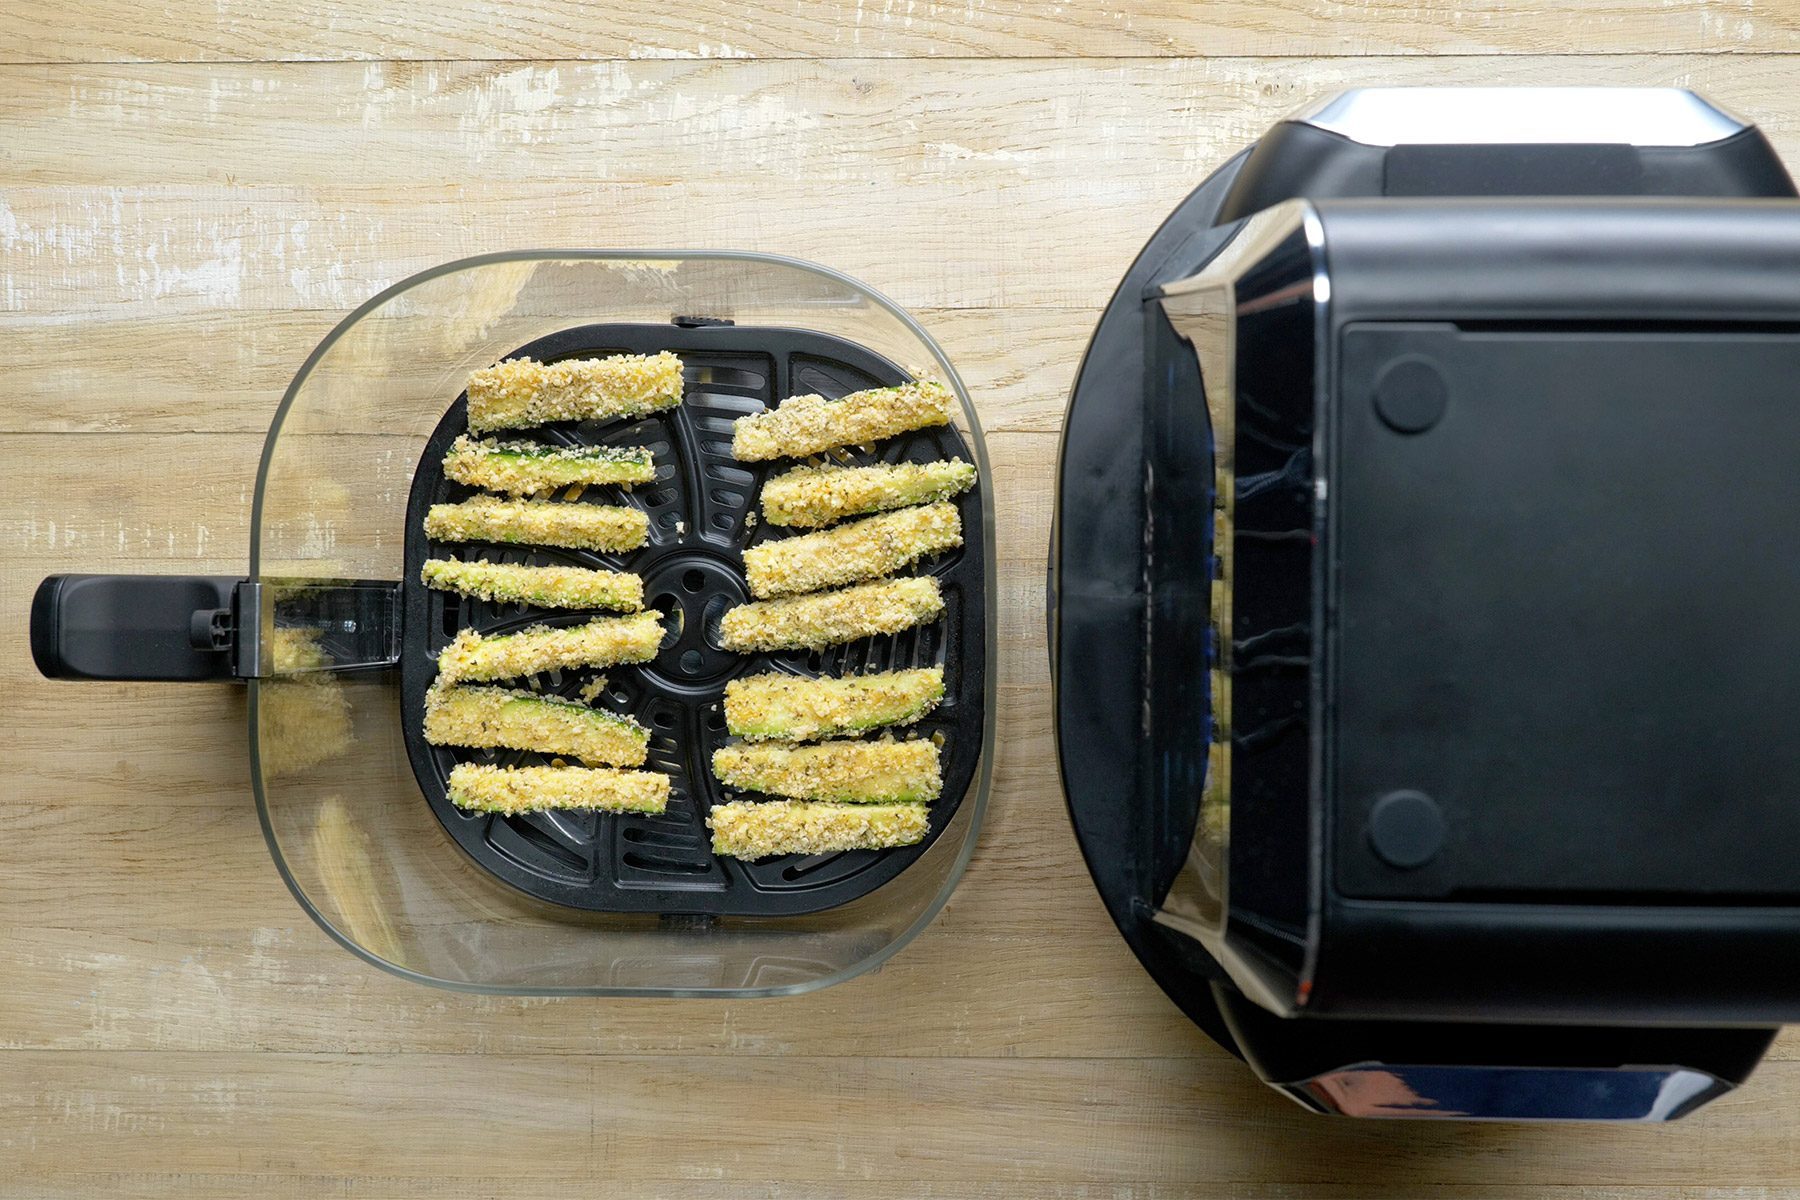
136	986
1200	1120
225	370
132	30
139	1186
183	855
160	190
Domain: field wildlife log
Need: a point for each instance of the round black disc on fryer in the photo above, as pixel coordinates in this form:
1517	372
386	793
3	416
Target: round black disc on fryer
692	569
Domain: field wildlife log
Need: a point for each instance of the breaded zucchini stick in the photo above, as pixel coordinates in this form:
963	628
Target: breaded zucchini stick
785	708
547	587
865	549
602	642
527	468
885	772
808	424
520	393
517	720
743	830
832	618
604	527
510	790
812	496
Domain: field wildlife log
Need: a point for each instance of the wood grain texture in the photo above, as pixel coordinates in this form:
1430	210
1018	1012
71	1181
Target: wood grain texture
82	1185
231	30
728	1119
176	236
157	191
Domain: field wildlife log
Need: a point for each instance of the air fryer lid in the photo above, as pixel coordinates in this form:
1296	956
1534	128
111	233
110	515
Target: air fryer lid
1486	616
1413	666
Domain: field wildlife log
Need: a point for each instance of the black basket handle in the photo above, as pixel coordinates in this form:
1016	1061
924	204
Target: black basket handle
136	627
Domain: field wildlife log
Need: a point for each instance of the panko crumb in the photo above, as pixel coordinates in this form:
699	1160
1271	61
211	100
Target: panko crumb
603	527
865	549
534	468
546	587
811	496
746	830
780	707
520	720
808	424
820	619
510	790
602	642
519	393
883	772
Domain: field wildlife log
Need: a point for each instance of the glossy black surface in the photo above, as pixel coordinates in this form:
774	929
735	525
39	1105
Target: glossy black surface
1436	965
1295	160
1275	604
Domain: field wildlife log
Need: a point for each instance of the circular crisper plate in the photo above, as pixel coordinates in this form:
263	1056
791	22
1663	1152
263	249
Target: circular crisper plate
692	569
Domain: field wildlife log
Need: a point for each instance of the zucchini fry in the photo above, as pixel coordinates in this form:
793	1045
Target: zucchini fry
511	790
603	527
528	468
520	393
547	587
865	549
812	496
885	772
748	831
602	642
785	708
831	618
805	425
500	717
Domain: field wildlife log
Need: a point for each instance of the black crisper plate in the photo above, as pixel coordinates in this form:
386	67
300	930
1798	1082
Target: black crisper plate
692	569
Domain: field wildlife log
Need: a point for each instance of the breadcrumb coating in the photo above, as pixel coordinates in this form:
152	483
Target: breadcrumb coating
821	619
787	708
529	468
293	649
303	720
603	527
547	587
510	790
852	772
808	497
520	393
602	642
865	549
304	712
751	831
805	425
500	717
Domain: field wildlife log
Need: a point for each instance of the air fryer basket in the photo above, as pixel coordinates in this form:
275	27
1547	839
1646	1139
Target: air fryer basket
335	640
700	507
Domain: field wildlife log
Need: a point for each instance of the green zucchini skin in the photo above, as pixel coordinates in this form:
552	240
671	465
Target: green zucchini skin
786	708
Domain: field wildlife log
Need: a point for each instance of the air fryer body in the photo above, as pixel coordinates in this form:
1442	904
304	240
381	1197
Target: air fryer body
1420	556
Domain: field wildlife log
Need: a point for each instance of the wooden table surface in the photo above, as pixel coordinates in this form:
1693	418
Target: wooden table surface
193	191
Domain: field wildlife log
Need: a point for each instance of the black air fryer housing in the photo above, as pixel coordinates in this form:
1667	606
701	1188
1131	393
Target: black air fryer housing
1422	551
